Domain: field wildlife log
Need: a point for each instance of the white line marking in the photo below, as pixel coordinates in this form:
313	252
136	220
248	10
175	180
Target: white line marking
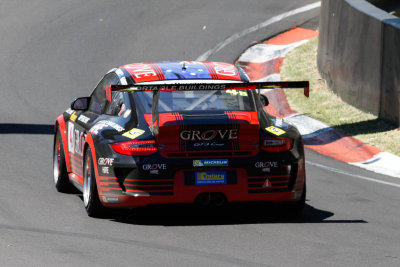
262	53
352	175
261	25
384	162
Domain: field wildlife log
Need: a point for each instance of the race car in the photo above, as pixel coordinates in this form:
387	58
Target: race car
178	132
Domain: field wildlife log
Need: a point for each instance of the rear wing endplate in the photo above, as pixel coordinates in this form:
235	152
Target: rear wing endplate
156	88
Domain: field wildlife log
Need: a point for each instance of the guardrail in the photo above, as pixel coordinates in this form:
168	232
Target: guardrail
359	56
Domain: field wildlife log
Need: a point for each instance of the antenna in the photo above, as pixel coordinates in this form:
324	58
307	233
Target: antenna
184	62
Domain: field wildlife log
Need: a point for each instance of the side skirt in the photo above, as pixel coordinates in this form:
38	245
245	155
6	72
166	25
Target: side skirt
76	180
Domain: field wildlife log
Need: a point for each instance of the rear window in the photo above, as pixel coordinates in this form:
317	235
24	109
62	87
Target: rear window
230	100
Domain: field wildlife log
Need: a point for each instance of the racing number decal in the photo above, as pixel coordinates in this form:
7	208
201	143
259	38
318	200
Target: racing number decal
76	140
71	143
73	117
275	130
133	133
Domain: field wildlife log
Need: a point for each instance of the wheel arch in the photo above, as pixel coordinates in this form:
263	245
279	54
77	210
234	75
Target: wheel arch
89	143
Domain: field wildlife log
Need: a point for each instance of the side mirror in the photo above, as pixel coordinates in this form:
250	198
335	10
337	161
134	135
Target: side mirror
81	103
264	100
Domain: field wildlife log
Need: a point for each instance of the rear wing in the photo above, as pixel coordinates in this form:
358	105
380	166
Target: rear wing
156	88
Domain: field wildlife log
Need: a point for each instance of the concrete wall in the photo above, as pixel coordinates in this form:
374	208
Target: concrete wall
390	82
358	57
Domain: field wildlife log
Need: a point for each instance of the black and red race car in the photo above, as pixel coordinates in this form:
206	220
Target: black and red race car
178	132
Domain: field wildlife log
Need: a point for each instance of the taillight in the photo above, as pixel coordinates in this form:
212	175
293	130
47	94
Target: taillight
135	147
276	144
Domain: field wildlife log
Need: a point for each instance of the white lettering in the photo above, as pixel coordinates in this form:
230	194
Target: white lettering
142	71
83	119
208	135
196	134
71	142
185	135
268	164
95	129
105	161
225	69
156	166
233	134
105	170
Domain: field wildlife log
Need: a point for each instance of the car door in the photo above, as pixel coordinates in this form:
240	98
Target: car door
81	122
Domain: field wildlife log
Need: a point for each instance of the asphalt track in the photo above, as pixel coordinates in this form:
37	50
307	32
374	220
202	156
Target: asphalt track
53	51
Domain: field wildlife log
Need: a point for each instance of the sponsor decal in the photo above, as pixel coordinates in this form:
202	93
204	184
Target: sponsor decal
123	107
105	170
69	111
266	166
140	70
207	144
133	133
76	140
183	87
117	127
105	161
71	142
210	177
208	135
110	199
156	166
236	92
126	114
73	117
275	130
103	124
83	119
267	184
95	129
225	69
210	163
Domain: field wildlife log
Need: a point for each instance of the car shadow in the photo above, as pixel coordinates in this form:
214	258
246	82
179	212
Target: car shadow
233	214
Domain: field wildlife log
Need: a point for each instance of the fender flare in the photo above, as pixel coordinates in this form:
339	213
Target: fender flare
89	142
60	123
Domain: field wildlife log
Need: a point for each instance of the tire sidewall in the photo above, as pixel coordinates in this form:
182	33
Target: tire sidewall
61	180
92	203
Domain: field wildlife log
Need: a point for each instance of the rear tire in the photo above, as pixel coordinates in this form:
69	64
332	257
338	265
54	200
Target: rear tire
296	208
91	199
60	173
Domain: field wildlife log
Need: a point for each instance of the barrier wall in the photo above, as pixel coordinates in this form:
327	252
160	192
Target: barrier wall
358	57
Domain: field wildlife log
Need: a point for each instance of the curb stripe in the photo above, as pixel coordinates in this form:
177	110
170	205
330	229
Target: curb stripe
294	35
259	26
262	62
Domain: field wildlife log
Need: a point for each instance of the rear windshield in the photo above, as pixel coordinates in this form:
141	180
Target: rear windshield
225	100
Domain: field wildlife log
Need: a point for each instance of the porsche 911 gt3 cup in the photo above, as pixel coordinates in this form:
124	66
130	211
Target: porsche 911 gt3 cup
178	132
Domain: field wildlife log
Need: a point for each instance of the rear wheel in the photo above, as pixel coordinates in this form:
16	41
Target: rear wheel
60	174
296	208
91	200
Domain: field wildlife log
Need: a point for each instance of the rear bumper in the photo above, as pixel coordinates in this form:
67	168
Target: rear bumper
245	189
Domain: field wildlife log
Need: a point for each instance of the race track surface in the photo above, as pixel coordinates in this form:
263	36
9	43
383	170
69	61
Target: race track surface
54	51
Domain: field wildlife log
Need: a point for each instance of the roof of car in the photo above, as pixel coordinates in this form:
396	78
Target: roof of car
183	70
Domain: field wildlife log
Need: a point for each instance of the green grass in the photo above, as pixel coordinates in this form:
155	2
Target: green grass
324	105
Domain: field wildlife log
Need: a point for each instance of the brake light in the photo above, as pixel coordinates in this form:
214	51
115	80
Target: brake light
135	147
276	144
